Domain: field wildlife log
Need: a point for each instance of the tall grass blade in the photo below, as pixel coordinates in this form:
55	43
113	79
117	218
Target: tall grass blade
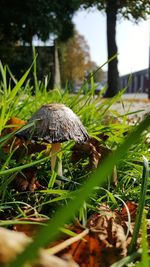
19	84
65	214
145	261
141	205
22	167
3	73
123	262
35	69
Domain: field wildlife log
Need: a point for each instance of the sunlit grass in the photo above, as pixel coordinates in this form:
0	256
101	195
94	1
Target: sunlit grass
98	117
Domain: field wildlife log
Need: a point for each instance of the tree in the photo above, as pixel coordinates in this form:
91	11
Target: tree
99	75
22	20
75	59
129	9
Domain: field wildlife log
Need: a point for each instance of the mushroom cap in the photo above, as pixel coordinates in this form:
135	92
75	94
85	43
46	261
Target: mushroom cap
55	123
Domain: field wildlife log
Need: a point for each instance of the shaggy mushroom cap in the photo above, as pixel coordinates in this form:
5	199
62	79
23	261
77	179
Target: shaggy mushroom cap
55	123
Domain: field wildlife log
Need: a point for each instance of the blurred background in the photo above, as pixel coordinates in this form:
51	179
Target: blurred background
73	39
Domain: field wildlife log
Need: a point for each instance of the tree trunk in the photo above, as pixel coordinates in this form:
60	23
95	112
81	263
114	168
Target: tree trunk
113	75
57	80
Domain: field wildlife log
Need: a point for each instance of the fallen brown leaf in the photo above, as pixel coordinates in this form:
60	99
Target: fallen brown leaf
29	228
13	243
12	125
106	237
22	146
26	180
87	251
107	225
132	208
95	151
101	244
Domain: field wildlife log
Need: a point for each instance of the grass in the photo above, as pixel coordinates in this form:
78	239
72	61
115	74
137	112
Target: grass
80	190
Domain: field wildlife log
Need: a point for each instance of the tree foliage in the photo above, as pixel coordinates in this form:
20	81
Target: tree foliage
129	9
75	59
135	9
21	20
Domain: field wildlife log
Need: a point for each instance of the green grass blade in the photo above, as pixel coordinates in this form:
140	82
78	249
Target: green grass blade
141	205
11	75
3	73
35	70
22	167
64	215
19	84
145	255
16	222
123	262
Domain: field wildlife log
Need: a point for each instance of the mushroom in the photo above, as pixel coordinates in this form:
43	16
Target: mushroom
54	123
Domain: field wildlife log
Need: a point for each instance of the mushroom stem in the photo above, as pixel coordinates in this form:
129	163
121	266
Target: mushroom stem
55	148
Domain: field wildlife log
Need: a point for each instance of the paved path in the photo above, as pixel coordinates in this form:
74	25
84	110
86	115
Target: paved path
133	103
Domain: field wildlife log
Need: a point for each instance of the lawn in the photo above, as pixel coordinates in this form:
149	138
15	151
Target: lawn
104	185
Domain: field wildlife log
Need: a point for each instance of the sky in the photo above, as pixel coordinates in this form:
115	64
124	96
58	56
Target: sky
132	40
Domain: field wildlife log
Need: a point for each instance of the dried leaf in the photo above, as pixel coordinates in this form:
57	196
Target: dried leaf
86	252
132	207
46	260
22	146
107	225
106	237
26	180
92	149
95	151
29	229
13	124
13	243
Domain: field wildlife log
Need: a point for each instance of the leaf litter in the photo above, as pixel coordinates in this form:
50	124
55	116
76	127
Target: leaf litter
101	243
104	241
